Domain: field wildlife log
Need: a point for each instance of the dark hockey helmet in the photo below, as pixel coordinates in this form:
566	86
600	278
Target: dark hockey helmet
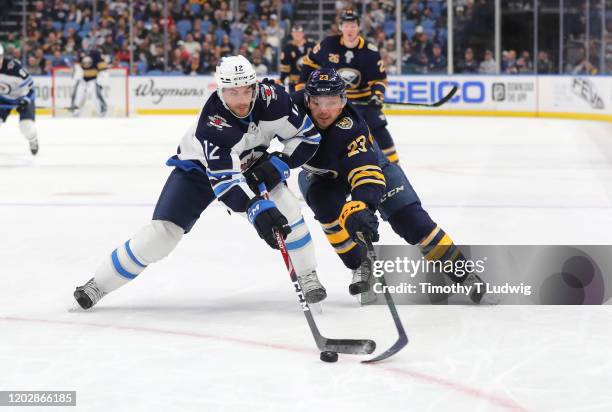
349	15
325	82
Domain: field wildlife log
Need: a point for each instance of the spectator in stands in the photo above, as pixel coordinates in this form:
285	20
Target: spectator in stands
192	46
509	62
195	66
437	63
545	66
58	59
468	64
527	63
422	64
488	65
408	58
421	42
33	66
584	67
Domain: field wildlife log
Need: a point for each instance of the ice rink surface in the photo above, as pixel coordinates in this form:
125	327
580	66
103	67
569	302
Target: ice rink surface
215	326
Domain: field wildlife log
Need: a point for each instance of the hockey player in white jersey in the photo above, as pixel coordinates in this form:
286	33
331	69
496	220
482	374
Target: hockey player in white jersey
90	77
17	92
225	157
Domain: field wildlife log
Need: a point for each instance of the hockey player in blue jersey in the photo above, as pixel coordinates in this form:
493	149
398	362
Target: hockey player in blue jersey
225	157
17	92
359	64
350	163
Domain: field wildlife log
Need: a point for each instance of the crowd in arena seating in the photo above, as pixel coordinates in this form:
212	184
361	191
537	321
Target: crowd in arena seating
200	32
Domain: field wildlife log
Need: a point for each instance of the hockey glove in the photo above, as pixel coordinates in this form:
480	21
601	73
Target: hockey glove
357	219
23	104
264	215
376	100
271	171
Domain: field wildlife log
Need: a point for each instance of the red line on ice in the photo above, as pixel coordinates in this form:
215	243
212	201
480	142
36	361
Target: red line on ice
446	383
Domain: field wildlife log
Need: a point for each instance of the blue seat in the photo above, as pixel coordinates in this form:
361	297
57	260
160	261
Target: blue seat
57	25
287	11
72	25
205	26
196	8
409	33
219	33
155	72
389	27
251	7
436	8
408	24
428	24
87	26
183	27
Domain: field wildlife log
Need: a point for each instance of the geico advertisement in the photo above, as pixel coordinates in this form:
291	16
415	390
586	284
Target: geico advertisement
474	92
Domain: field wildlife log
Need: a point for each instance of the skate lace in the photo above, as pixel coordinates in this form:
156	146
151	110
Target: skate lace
92	290
310	281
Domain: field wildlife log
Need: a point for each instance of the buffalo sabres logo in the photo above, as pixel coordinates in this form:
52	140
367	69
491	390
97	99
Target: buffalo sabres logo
345	123
352	77
267	93
218	122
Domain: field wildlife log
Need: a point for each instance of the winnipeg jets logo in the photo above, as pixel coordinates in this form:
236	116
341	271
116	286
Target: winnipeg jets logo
5	88
267	93
218	122
348	56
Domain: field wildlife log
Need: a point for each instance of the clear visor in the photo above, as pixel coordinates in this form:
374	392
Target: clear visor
327	102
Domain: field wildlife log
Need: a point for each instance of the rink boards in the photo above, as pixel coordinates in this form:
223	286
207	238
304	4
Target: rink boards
575	97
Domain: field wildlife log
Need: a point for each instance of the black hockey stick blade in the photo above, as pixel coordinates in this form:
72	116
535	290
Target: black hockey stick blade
402	339
347	346
435	104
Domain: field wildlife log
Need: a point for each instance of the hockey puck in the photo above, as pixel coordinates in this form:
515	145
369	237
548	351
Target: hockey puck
329	356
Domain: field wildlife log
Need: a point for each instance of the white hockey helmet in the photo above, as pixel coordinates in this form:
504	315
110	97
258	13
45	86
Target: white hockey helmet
235	71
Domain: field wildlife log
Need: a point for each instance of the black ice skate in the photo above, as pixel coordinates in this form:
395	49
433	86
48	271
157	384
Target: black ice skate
361	279
88	295
314	292
33	146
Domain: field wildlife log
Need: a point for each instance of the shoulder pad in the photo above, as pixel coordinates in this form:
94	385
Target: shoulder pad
345	123
372	47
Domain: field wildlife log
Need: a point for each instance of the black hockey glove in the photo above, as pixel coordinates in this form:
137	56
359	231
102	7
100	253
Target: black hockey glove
358	219
264	215
375	100
270	82
271	171
23	104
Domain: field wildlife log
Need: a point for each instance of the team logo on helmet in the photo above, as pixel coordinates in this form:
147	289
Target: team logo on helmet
351	77
345	123
218	122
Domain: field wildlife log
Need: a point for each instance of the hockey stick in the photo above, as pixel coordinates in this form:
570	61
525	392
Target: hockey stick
435	104
349	346
402	340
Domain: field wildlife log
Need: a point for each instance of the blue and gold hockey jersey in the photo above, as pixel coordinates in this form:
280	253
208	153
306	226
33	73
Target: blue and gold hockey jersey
360	67
347	152
225	146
